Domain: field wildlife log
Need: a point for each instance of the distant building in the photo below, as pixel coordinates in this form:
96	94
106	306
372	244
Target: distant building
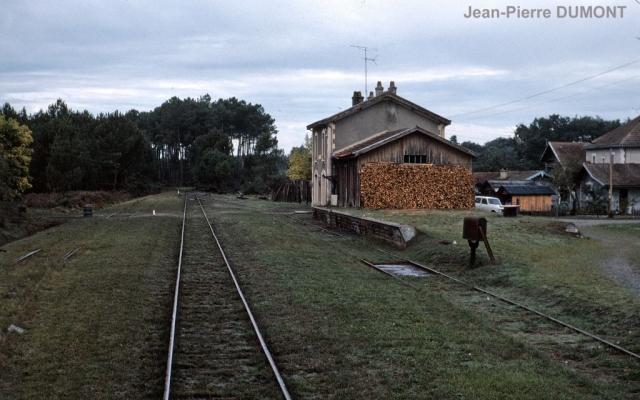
383	128
488	183
561	154
613	156
531	190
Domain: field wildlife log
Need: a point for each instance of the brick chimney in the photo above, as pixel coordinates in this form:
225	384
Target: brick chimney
379	89
370	96
357	98
392	87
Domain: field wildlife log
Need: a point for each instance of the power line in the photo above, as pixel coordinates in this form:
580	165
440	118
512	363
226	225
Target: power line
550	101
548	91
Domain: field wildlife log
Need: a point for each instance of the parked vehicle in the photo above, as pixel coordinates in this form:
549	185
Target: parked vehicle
486	203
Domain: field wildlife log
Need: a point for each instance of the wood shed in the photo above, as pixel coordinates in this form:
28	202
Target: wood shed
412	146
531	197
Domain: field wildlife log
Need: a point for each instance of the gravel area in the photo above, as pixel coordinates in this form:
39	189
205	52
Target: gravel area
619	268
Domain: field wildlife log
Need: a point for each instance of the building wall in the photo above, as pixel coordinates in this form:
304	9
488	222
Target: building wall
532	203
620	156
633	196
322	145
417	144
347	172
385	115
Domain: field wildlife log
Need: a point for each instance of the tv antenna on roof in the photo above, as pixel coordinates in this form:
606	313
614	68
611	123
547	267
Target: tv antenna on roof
366	49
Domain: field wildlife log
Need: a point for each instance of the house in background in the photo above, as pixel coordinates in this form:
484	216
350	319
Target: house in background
614	156
623	143
562	154
594	187
488	183
383	128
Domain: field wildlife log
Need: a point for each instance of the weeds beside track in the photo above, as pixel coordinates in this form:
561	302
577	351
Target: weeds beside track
217	353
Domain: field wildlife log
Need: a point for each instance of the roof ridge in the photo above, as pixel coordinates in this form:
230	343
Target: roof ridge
376	99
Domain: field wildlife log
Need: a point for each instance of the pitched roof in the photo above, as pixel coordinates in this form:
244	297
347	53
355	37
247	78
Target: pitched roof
375	100
627	135
564	151
526	188
382	138
482	177
624	175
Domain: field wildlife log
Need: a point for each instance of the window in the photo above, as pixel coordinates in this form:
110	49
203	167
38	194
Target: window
415	159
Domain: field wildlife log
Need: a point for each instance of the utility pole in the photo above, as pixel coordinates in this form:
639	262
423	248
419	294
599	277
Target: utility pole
366	49
611	184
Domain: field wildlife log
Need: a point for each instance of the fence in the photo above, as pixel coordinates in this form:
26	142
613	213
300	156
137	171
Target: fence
293	191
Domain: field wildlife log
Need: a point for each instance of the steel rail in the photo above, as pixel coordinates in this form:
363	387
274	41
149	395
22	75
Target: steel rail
504	299
172	335
24	257
265	349
69	254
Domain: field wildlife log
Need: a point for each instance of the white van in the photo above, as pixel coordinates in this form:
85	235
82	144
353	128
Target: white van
486	203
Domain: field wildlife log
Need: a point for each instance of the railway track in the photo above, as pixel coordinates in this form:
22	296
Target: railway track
560	339
216	349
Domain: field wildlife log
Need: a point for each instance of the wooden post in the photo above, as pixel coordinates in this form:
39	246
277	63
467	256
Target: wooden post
611	184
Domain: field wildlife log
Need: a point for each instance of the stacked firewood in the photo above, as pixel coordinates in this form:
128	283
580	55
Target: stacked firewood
389	185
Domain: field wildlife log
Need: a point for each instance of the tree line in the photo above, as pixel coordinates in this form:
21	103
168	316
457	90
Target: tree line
227	144
523	151
224	145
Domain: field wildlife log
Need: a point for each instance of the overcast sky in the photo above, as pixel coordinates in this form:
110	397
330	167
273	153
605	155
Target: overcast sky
296	59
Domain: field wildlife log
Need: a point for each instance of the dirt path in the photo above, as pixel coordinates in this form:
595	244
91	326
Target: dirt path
620	268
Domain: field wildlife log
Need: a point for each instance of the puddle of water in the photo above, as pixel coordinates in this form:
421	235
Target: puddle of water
403	270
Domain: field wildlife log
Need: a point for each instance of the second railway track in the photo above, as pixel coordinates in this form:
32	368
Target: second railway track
216	351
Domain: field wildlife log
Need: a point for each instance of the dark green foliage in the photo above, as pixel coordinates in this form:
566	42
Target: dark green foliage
523	151
211	161
498	153
213	168
15	155
184	141
77	151
191	137
596	200
533	139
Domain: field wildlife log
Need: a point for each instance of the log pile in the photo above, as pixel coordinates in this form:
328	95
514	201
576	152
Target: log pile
389	185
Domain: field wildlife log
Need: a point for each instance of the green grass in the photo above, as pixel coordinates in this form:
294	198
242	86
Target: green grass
419	342
96	325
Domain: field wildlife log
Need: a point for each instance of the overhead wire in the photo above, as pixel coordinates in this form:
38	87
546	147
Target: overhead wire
549	90
552	101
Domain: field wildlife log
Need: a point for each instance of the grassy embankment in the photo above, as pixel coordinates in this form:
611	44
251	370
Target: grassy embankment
96	324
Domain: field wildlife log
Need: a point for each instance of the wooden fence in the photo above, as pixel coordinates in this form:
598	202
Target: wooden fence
293	191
